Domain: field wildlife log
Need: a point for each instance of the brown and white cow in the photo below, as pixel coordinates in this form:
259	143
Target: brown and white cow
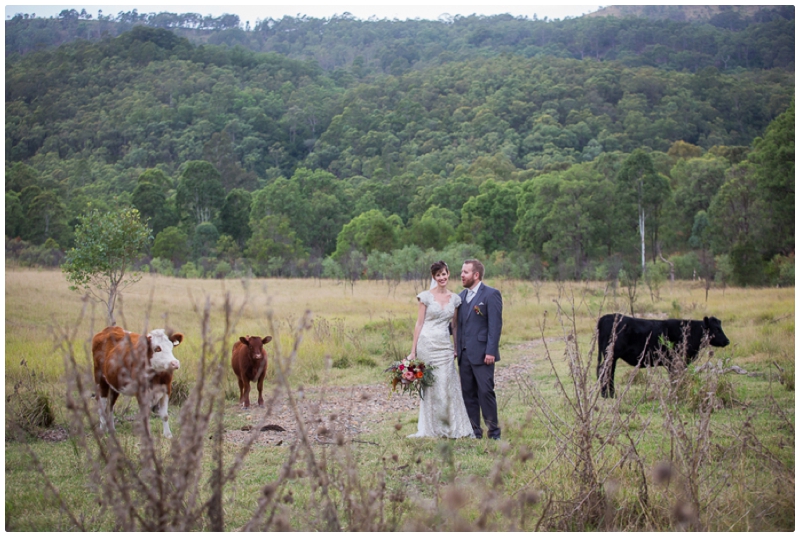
249	361
130	364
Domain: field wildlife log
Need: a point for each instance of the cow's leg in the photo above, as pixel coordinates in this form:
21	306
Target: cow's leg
102	403
163	413
241	390
605	372
112	400
246	395
260	390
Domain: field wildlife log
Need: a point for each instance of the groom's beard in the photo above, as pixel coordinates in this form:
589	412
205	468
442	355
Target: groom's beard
469	283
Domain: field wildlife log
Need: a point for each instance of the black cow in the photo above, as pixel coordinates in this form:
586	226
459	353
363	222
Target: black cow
642	339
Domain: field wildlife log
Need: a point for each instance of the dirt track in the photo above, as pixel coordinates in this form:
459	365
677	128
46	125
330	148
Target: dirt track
352	410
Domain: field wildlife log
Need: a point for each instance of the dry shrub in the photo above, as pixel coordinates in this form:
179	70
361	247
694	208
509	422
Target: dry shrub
29	408
595	439
786	374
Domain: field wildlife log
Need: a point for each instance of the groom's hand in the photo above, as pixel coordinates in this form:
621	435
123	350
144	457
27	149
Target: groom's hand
488	359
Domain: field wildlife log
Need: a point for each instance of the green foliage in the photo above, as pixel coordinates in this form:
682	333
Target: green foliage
488	219
204	240
780	270
434	229
45	218
151	201
200	194
774	153
235	215
737	212
172	243
162	266
367	232
190	270
687	266
106	245
521	165
273	238
748	267
15	217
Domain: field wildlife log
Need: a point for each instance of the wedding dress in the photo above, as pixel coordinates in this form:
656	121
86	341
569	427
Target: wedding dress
441	411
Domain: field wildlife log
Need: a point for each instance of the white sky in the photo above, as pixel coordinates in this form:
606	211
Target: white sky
253	13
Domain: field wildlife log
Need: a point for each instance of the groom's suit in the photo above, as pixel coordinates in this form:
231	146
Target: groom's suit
478	335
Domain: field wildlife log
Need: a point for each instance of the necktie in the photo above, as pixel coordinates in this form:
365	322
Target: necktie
470	295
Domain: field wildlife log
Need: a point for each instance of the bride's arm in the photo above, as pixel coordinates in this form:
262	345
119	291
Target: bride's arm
418	329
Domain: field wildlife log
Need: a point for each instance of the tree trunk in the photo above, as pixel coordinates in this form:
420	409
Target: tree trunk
642	236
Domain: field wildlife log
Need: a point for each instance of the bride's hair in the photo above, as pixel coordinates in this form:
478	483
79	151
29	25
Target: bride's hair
439	265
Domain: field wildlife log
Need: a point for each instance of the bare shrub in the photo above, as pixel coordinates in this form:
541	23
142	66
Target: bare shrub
786	375
594	436
29	408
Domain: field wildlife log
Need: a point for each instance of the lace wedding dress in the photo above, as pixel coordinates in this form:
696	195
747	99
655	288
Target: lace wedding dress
441	411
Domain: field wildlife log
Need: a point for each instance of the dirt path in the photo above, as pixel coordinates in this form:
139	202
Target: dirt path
349	411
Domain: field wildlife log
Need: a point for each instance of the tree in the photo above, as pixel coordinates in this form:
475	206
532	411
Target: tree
235	215
638	178
367	232
200	192
150	200
173	244
774	155
19	176
204	240
46	218
434	229
272	238
106	244
488	219
15	217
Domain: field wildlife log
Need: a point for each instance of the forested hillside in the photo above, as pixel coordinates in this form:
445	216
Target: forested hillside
362	148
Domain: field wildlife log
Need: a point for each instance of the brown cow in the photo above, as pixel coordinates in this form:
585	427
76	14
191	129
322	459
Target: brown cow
249	361
129	364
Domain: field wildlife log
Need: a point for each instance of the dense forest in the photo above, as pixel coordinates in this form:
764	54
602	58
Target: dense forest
589	148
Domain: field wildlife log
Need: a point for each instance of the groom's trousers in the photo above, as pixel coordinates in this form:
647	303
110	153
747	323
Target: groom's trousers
477	387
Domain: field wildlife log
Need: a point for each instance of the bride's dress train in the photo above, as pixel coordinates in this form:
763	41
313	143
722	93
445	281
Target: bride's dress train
441	412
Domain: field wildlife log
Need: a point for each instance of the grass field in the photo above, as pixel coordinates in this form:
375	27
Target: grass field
659	457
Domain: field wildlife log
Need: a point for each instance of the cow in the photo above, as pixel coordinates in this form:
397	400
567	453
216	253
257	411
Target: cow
131	364
249	361
648	341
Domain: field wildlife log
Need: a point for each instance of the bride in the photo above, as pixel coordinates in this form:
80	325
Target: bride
441	412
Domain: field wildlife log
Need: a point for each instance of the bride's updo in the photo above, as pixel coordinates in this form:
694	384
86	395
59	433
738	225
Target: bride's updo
438	266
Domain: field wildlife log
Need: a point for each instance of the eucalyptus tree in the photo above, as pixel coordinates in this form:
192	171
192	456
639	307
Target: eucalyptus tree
639	182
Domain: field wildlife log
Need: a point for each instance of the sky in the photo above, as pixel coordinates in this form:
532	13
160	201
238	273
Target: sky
364	11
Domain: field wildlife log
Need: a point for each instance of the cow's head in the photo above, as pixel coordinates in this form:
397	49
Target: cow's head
256	345
161	343
716	336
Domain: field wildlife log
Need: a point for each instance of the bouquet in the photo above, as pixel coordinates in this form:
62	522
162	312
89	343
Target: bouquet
411	376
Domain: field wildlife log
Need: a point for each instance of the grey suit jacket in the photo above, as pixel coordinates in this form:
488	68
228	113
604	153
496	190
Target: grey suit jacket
479	330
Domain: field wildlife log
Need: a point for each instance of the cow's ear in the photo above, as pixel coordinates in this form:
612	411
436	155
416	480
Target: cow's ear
177	339
266	340
705	321
244	340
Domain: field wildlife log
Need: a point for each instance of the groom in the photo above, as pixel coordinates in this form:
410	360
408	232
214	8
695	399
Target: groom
480	321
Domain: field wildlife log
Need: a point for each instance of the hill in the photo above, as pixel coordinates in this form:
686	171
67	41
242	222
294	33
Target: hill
696	13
